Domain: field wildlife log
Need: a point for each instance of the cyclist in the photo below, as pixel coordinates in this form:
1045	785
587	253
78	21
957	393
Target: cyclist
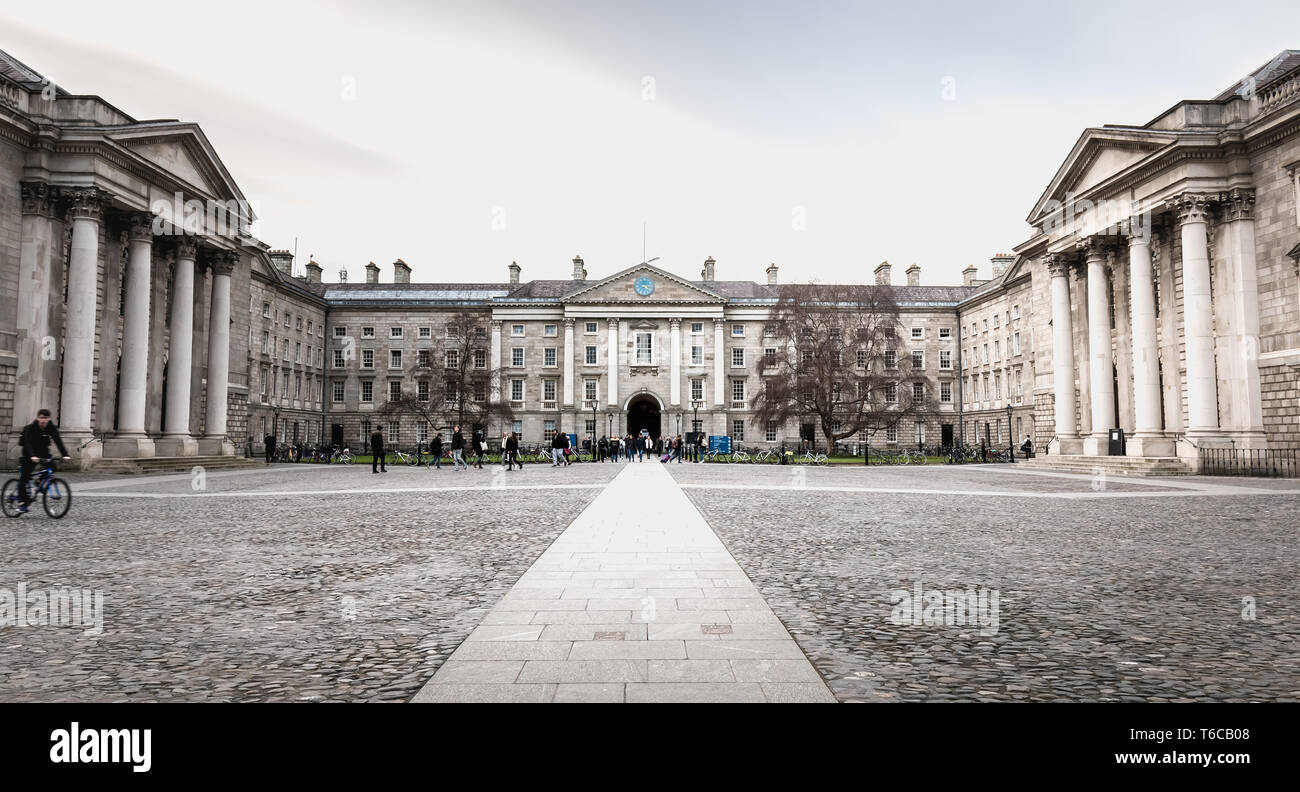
36	446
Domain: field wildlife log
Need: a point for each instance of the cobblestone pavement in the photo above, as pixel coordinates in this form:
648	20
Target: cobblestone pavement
1132	593
271	594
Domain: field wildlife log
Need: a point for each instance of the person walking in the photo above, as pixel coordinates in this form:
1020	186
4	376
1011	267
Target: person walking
629	446
269	443
377	459
677	448
435	451
1027	448
505	438
984	449
602	448
458	450
557	448
567	449
35	442
510	451
476	445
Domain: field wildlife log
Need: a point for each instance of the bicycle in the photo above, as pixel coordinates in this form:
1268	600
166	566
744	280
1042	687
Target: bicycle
343	455
809	458
56	495
739	455
768	456
410	460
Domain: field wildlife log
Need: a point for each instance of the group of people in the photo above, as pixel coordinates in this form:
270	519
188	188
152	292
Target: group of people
458	461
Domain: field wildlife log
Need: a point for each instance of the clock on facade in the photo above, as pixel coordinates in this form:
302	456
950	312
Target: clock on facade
644	286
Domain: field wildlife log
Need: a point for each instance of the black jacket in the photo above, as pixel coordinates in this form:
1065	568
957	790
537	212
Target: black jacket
512	444
436	448
377	442
477	445
457	441
36	441
558	440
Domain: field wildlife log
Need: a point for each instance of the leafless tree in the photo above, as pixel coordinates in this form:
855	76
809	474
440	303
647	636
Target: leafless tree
833	356
454	383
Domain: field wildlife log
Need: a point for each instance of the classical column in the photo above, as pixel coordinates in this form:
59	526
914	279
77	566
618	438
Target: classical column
568	361
223	265
1198	319
132	440
176	433
612	361
494	354
1101	378
719	386
675	349
37	380
1237	321
79	320
1067	430
1148	438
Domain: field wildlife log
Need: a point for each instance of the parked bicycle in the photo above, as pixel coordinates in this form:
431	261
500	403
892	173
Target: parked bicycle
341	455
56	495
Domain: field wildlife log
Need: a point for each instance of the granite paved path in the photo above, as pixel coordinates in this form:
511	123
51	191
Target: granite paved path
636	601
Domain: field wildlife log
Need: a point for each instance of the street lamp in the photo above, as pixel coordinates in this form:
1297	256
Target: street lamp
1011	438
595	404
695	428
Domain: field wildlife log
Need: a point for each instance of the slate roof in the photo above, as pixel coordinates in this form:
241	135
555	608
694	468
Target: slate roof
19	72
1281	64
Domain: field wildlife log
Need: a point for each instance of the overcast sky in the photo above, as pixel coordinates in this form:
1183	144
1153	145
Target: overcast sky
825	137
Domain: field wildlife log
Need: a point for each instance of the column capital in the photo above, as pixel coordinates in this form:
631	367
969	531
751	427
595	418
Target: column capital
674	324
1058	265
187	247
85	203
38	198
1145	238
1190	207
140	227
568	322
223	262
1094	247
495	325
1238	203
717	320
613	322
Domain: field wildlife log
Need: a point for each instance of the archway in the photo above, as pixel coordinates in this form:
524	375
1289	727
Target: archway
643	413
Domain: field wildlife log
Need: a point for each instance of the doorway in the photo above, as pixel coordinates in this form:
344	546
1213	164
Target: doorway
643	413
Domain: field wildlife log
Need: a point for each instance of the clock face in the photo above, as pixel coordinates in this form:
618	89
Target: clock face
644	286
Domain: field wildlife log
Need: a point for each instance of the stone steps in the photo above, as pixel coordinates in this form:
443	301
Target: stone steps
174	464
1113	465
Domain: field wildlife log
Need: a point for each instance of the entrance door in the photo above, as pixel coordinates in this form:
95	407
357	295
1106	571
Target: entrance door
945	431
643	413
336	434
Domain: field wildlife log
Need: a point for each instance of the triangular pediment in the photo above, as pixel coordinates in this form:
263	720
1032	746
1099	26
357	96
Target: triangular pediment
663	286
1099	155
182	150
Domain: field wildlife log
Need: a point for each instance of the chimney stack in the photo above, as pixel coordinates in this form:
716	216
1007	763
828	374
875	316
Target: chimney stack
313	272
579	271
401	272
968	275
343	275
914	275
514	272
372	273
282	260
882	273
771	274
1001	262
708	272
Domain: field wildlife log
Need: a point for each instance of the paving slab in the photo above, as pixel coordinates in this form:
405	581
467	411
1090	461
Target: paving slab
636	601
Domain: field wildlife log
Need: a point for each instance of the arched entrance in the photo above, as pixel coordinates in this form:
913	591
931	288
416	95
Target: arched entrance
643	413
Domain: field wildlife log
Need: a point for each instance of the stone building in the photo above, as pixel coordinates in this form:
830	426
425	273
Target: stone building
1159	293
1163	264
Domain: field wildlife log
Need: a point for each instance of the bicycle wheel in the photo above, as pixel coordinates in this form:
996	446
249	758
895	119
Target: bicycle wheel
57	498
821	460
9	498
412	461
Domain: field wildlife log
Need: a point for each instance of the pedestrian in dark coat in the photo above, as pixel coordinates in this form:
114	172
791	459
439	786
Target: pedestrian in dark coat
476	445
435	450
269	442
377	450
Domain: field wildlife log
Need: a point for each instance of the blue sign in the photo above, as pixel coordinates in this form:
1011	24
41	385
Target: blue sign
720	444
573	442
644	286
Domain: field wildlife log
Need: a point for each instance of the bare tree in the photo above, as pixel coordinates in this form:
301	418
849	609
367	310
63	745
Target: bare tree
833	356
454	382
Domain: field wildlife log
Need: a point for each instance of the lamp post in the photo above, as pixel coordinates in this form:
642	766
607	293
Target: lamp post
695	428
1011	438
595	404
